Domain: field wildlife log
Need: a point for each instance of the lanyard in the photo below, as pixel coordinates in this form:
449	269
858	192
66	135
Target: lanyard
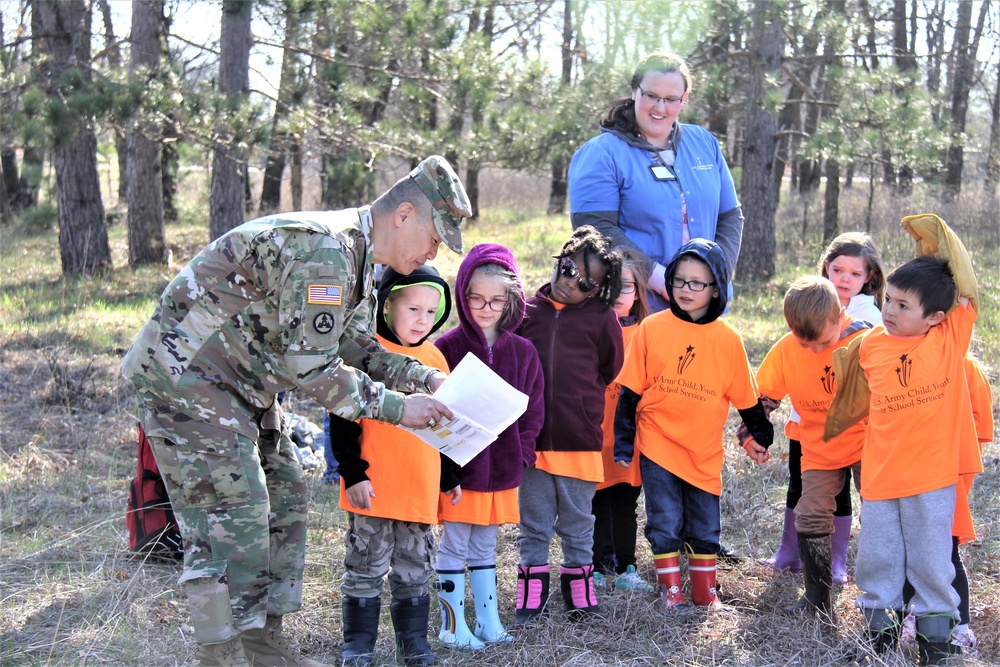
662	171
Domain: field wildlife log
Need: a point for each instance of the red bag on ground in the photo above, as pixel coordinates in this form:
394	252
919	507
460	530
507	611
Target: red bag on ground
149	521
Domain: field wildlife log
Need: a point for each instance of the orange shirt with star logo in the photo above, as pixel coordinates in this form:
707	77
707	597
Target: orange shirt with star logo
807	378
686	375
920	421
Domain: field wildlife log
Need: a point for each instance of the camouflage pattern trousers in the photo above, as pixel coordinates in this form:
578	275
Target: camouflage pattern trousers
373	544
241	508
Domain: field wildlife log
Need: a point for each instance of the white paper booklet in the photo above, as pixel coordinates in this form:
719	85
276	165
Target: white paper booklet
484	406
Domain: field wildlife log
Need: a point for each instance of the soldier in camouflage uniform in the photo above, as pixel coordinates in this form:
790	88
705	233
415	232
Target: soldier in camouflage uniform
280	302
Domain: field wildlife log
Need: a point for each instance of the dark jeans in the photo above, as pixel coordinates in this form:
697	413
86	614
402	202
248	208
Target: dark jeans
844	507
678	513
614	527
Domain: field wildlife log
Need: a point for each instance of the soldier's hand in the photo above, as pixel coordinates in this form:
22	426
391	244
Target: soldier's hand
455	494
423	411
360	495
435	381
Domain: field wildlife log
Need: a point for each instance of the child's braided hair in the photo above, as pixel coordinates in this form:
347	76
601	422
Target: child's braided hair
592	243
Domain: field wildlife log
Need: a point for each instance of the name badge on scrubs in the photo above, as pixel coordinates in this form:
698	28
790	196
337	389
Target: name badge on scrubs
661	173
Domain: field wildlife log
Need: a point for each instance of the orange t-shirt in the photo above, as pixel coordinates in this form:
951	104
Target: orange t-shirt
482	508
920	412
614	473
586	466
807	378
405	471
686	375
982	414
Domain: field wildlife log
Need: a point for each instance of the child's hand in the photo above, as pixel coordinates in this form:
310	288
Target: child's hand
359	495
455	494
756	452
624	464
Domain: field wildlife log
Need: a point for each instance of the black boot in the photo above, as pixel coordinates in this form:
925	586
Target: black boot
884	626
817	562
360	629
934	638
410	619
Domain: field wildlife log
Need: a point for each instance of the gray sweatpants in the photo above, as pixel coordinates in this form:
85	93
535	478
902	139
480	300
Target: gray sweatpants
470	543
908	538
552	503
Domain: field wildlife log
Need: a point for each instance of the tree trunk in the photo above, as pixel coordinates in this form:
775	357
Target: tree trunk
65	43
993	157
557	195
229	169
147	239
277	156
295	150
757	189
963	64
114	54
6	212
831	201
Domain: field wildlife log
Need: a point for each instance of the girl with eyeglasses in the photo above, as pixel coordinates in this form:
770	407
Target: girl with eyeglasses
617	497
579	342
490	301
683	369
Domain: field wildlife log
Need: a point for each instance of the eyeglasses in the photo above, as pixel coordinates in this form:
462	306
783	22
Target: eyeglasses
478	303
568	269
693	285
656	99
628	288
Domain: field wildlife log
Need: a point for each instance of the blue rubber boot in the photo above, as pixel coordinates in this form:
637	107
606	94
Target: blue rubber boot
489	628
451	598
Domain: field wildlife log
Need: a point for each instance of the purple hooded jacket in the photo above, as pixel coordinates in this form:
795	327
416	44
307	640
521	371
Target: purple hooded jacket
499	466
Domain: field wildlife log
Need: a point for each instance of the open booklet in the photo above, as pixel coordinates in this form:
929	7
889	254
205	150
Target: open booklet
484	405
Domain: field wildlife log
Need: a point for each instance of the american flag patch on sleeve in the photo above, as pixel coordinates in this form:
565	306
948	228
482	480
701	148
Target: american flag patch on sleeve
328	295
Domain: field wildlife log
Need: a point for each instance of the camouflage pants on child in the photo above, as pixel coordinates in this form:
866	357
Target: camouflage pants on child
373	544
241	508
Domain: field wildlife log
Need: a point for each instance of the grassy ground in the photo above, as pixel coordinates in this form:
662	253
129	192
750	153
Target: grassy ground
71	594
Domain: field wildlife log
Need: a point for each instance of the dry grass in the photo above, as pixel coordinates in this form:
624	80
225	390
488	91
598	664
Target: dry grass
70	594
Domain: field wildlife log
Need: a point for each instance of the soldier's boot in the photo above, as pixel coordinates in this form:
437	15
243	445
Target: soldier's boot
884	627
410	620
360	630
577	584
532	592
451	599
226	654
668	577
269	647
817	557
489	628
934	639
702	570
841	539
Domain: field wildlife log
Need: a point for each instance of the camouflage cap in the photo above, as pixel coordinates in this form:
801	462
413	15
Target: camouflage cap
446	193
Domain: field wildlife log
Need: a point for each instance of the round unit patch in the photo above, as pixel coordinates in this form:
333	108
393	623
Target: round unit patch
323	323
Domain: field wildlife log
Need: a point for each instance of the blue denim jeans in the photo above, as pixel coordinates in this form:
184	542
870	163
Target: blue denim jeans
678	513
330	475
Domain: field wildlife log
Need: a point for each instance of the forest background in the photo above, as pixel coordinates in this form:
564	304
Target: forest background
131	133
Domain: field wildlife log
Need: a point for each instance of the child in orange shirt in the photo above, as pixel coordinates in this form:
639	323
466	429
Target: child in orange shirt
579	342
683	369
617	497
800	366
919	420
390	480
963	530
852	263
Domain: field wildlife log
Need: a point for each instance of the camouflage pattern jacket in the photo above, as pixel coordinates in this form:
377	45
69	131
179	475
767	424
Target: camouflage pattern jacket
279	302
